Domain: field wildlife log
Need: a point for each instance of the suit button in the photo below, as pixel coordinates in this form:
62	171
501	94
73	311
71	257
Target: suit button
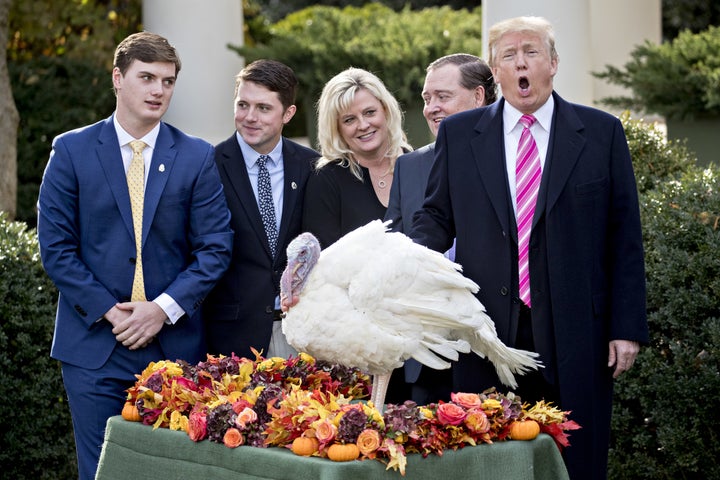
503	291
80	310
132	260
269	309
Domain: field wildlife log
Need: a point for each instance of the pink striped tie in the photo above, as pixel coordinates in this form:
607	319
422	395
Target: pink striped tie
527	178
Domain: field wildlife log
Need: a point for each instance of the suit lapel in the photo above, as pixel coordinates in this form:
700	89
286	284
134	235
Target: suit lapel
161	167
291	185
566	142
110	158
490	162
233	165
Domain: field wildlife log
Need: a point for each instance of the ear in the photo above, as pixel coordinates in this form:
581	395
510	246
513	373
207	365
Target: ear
289	114
479	96
116	77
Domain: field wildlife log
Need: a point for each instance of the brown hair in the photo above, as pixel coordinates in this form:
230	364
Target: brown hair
148	48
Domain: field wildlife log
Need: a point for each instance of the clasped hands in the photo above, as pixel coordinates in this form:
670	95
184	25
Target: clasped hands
135	324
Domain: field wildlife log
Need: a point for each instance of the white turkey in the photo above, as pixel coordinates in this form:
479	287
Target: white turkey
375	298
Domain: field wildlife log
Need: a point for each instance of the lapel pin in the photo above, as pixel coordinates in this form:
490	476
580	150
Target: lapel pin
293	185
162	167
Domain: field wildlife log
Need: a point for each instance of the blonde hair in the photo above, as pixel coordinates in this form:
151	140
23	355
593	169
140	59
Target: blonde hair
337	96
537	25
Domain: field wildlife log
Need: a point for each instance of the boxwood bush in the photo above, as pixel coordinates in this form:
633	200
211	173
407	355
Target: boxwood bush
36	440
666	418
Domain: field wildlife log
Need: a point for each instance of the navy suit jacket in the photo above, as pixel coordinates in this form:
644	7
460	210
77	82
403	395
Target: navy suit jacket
88	243
410	180
586	253
239	312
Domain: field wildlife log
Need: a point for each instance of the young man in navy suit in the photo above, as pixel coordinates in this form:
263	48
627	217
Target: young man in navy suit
580	239
121	307
243	311
453	83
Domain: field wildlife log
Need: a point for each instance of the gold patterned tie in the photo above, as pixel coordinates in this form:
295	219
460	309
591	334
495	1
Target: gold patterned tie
136	187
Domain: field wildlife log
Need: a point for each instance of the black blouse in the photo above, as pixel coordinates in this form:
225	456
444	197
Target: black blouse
336	203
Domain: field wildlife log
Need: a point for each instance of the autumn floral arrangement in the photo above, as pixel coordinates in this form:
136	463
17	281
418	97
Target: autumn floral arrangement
315	408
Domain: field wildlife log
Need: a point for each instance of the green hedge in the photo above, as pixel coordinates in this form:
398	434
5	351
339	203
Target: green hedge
37	440
666	418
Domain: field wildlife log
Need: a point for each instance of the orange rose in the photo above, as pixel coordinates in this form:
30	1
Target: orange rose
466	400
247	416
476	421
368	442
233	438
450	414
325	431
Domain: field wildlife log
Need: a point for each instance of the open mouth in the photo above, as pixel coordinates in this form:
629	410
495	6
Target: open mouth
523	83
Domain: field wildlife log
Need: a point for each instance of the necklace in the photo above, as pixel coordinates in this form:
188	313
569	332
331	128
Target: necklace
381	183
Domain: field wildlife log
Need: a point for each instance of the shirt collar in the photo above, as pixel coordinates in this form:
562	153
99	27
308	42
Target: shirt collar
543	115
125	138
250	155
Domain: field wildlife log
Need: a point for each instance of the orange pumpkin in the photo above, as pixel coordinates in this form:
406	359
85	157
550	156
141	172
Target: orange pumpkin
305	446
524	429
130	412
343	452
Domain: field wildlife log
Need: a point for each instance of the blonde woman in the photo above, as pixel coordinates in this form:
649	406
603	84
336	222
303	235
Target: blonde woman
360	135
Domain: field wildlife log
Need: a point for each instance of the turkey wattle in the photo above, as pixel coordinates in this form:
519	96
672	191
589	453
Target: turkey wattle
375	298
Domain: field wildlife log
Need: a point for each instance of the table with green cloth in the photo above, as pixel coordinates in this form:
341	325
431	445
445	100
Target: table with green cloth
133	450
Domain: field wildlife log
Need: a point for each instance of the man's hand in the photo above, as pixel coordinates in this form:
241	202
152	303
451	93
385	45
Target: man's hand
143	321
622	355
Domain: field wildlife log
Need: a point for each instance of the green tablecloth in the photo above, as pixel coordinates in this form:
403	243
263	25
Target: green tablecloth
132	450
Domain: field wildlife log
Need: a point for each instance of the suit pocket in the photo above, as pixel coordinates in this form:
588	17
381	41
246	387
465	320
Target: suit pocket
589	188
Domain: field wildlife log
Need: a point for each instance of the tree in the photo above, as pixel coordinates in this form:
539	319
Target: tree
9	119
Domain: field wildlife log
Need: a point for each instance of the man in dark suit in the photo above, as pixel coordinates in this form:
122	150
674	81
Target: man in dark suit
584	310
243	311
453	83
121	306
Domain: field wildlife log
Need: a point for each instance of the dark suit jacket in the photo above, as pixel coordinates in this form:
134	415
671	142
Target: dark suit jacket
239	311
410	180
87	239
586	253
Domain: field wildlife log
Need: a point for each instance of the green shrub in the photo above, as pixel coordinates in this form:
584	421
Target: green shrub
666	418
678	79
53	95
36	440
654	159
318	42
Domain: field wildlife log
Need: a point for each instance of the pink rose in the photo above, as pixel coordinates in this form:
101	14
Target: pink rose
197	426
476	421
450	414
233	438
245	417
325	431
368	442
466	400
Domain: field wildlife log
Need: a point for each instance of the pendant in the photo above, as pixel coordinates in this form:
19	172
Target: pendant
382	184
